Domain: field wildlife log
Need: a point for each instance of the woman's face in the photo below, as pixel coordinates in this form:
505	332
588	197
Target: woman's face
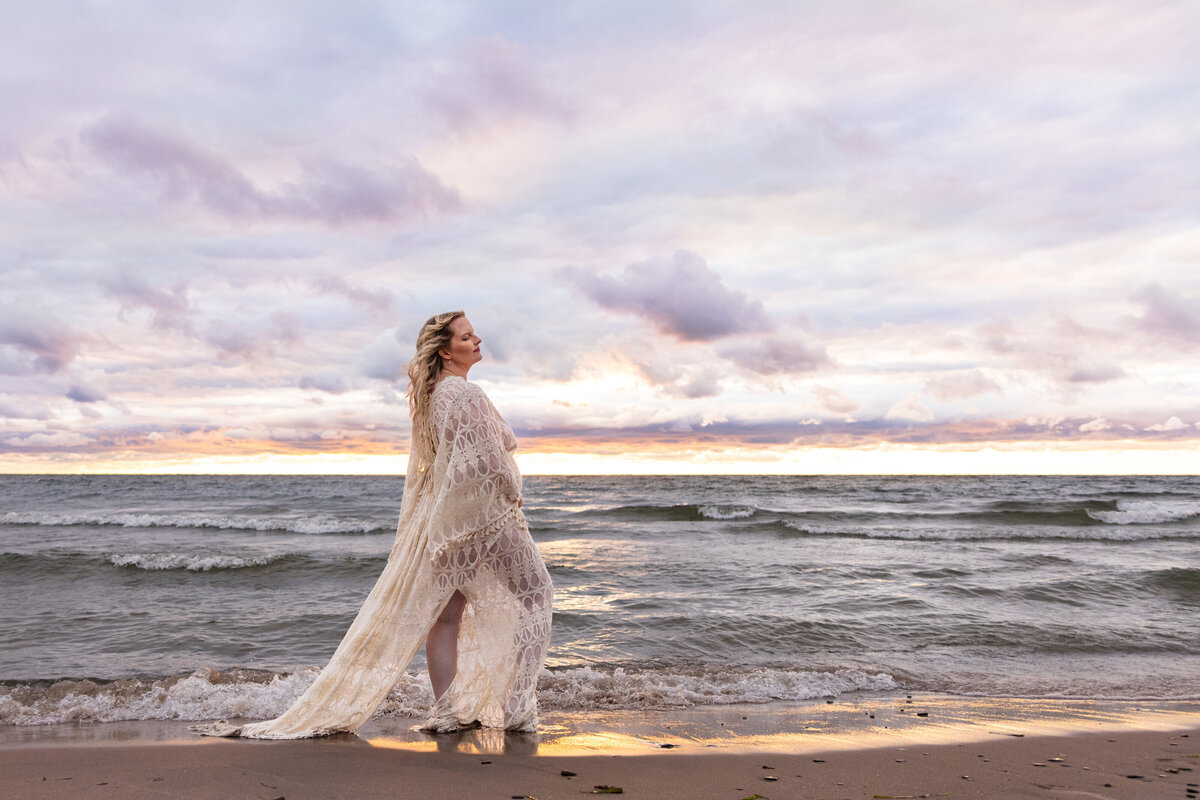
463	350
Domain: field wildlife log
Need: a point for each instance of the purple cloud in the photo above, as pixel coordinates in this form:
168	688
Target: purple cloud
1068	360
834	401
170	307
329	380
492	77
386	357
84	393
329	191
41	343
238	339
776	355
960	384
1166	315
379	303
682	296
23	408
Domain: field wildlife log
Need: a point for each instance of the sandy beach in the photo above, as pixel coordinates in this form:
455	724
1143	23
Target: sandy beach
866	747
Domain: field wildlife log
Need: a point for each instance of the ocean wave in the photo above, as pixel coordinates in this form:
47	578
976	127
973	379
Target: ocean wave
1095	533
727	512
1146	512
1182	582
316	524
679	512
254	694
192	561
59	564
586	687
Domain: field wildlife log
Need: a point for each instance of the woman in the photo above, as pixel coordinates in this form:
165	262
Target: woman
463	575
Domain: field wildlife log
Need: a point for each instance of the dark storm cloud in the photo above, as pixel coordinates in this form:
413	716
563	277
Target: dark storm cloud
329	191
681	296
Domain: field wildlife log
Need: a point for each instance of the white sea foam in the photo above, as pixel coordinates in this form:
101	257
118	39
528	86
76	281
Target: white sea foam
1092	533
727	512
586	687
1146	512
205	694
188	561
315	524
247	694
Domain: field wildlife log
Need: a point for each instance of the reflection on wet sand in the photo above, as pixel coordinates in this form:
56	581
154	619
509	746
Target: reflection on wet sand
478	741
846	724
852	722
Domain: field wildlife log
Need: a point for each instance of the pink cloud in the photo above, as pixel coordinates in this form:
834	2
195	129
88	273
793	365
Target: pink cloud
1167	314
329	191
40	342
491	77
681	295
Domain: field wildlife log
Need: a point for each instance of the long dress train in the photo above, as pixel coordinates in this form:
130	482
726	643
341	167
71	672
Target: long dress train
460	529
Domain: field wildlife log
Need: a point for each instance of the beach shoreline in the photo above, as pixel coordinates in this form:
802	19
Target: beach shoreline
1120	764
924	745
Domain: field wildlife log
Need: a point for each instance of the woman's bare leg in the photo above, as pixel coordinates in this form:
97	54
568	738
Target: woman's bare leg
441	644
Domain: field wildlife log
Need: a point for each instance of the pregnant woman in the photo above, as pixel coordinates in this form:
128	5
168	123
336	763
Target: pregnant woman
463	576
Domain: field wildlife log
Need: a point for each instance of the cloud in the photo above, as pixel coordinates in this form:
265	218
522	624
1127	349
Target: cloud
910	408
379	303
329	380
960	385
1091	371
775	354
56	439
170	307
86	393
1165	314
489	78
1062	352
834	401
329	191
242	339
700	383
386	358
1098	424
681	296
1172	424
40	342
22	408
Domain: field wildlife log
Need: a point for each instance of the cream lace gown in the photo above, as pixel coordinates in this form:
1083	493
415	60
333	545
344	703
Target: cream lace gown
460	529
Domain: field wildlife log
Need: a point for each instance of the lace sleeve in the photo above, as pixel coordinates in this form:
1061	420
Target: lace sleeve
476	479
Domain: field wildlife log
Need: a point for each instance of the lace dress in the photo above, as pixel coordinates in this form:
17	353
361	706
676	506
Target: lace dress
460	529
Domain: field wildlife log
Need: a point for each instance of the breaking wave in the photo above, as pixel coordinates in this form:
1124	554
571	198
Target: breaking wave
255	694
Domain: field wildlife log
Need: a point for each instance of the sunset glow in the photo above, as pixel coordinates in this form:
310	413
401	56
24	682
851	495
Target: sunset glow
756	238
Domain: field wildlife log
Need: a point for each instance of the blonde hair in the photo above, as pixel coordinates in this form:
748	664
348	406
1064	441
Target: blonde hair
423	372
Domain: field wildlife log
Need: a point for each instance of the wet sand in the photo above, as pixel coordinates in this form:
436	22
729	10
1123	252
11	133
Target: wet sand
864	747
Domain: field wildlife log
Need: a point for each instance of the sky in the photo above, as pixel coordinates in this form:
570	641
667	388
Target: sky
889	236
